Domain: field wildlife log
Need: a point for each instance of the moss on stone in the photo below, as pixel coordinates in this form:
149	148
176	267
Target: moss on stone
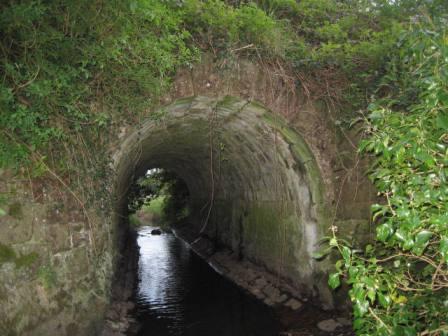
15	210
227	101
270	223
47	276
304	155
7	254
26	260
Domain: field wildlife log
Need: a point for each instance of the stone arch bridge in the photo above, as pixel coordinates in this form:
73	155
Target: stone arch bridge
268	171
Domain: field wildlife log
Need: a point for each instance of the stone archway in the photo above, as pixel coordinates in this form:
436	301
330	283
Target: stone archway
255	186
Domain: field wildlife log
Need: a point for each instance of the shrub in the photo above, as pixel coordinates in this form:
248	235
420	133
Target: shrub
399	283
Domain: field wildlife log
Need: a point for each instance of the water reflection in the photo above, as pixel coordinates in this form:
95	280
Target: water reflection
179	294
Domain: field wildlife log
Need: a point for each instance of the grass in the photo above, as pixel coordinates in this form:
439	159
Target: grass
150	214
155	207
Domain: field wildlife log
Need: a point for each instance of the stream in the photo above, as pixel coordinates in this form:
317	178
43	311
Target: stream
179	294
164	289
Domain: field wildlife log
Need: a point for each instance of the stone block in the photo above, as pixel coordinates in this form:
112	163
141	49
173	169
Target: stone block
329	325
293	304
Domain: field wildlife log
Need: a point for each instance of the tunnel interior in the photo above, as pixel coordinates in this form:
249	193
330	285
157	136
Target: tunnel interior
160	196
254	185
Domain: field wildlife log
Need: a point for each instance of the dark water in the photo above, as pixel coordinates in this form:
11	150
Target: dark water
179	294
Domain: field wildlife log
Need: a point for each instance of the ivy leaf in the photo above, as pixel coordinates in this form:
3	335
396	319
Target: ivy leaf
422	237
443	247
442	121
353	272
334	281
339	265
358	323
375	115
384	300
346	255
400	299
371	294
408	244
383	232
361	307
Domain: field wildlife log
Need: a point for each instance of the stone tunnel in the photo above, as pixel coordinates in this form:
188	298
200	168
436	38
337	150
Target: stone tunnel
254	184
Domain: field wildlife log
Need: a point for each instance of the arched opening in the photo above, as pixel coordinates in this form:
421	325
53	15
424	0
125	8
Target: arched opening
176	292
255	192
160	197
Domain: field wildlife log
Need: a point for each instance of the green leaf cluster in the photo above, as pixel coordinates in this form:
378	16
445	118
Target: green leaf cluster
162	191
71	67
399	284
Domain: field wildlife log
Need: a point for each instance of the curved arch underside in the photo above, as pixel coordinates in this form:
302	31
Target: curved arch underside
254	184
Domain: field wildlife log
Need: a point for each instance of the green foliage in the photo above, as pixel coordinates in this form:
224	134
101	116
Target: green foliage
175	203
74	70
279	8
399	284
134	221
144	190
225	28
338	33
161	193
155	206
66	67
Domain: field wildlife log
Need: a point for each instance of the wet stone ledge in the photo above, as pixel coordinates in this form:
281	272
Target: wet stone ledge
268	288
